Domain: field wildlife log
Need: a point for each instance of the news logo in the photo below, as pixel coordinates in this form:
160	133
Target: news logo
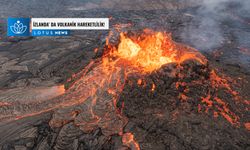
53	26
18	27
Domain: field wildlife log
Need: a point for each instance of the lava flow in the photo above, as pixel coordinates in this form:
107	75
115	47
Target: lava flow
91	101
150	50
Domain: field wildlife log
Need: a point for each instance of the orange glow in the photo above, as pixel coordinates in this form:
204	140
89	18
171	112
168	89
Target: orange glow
207	101
147	53
218	81
151	50
225	111
222	107
216	114
139	82
143	53
153	87
96	50
183	97
128	140
247	126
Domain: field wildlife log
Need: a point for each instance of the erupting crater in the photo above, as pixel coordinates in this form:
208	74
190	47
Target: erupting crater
145	74
149	51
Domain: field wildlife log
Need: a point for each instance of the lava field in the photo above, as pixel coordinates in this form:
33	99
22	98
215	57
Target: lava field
154	81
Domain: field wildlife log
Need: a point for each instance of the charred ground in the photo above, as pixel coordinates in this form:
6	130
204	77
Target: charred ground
169	121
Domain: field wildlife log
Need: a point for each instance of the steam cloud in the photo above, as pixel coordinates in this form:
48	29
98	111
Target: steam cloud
208	35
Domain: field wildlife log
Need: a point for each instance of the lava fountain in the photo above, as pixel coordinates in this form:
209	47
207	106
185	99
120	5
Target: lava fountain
150	50
91	101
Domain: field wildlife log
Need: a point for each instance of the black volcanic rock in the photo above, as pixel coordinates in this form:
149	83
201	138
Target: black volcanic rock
163	119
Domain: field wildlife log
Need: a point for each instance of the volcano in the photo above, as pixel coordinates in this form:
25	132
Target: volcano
141	93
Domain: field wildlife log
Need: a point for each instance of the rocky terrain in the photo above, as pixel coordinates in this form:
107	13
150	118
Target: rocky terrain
158	119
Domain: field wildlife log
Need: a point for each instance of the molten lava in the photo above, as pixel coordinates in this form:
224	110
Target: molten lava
150	50
91	101
128	140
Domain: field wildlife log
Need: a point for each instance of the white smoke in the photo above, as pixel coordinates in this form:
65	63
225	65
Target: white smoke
208	34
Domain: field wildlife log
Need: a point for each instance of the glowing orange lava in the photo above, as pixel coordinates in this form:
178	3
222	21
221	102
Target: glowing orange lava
128	140
151	50
247	126
100	85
